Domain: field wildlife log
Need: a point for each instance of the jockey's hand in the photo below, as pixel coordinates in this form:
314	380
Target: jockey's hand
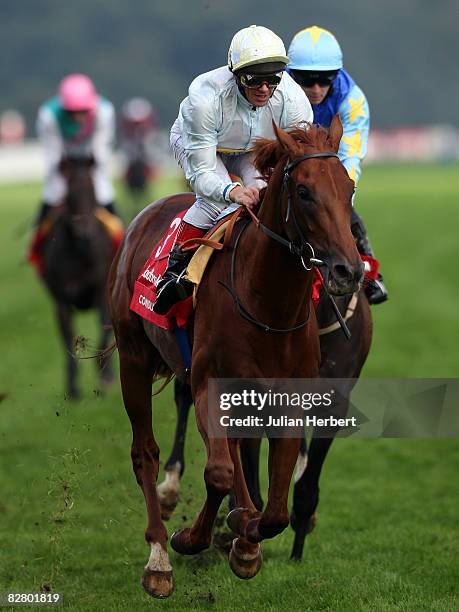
247	196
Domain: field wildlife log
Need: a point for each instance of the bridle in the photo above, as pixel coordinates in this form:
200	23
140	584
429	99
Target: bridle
295	249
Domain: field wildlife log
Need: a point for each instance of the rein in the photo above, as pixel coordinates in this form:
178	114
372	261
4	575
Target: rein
245	314
295	249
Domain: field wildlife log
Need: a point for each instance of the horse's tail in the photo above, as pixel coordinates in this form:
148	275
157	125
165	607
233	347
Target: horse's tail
104	354
162	371
167	375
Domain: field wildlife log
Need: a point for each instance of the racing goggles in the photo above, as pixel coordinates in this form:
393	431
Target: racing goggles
306	78
254	81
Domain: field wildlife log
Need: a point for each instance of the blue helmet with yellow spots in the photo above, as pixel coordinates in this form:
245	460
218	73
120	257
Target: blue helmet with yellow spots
314	49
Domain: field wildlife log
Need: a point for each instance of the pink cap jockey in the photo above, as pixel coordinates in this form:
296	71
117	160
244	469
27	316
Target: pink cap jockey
77	93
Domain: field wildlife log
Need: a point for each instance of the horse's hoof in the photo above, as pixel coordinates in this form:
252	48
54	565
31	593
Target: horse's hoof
237	520
168	501
245	563
157	584
167	511
181	543
169	493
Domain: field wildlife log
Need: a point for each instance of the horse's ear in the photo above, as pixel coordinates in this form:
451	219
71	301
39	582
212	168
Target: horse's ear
336	132
285	140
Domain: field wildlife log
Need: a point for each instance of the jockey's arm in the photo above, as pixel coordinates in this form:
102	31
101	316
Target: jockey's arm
51	140
104	135
200	141
355	117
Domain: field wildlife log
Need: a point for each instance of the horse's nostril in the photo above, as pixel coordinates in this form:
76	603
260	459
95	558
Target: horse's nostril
343	272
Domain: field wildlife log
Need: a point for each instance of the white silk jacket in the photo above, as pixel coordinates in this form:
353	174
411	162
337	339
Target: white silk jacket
215	118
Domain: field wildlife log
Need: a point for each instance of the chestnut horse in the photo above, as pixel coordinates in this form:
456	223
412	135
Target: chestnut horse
77	256
340	358
264	328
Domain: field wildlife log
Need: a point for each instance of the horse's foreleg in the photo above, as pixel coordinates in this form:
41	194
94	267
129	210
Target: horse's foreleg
104	362
218	476
64	317
245	557
136	374
169	489
303	517
283	454
250	458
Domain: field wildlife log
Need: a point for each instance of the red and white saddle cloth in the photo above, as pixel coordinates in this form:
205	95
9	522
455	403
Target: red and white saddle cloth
144	295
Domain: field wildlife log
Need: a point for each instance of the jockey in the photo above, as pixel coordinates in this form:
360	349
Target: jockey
213	136
76	123
316	64
138	129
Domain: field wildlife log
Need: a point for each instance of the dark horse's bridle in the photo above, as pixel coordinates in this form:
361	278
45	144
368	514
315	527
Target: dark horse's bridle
295	249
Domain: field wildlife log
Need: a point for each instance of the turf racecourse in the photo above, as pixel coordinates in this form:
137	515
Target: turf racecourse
72	516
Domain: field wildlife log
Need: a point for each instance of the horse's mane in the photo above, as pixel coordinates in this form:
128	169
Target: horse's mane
268	152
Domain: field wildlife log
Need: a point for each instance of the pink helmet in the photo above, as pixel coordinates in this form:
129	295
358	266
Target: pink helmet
77	93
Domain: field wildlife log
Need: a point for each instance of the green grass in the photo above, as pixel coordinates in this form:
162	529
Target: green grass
72	516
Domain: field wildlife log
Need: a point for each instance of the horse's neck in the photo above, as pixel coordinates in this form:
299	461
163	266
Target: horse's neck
80	203
276	280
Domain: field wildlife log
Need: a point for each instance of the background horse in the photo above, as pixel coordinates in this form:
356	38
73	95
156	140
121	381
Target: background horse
276	336
77	255
341	358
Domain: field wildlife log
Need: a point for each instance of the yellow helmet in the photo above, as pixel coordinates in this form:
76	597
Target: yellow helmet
255	45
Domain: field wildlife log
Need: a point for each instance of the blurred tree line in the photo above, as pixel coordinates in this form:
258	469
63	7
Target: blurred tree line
402	53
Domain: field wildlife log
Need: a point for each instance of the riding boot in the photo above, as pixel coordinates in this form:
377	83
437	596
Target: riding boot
173	287
375	290
44	211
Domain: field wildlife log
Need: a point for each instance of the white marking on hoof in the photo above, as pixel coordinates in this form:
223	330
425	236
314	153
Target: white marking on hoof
171	483
159	559
301	464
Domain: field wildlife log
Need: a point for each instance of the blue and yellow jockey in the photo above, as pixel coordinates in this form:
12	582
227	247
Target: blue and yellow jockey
316	64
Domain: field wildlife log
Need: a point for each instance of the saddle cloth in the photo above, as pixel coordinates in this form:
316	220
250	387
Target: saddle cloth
112	224
144	295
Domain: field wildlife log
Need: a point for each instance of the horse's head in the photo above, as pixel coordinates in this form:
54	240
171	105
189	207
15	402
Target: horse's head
316	199
80	202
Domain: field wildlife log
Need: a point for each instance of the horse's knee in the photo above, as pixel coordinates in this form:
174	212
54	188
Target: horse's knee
219	478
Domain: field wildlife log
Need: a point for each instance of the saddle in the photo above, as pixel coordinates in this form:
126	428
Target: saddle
112	224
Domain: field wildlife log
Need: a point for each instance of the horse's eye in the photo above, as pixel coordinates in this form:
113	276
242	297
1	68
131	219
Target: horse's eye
304	193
